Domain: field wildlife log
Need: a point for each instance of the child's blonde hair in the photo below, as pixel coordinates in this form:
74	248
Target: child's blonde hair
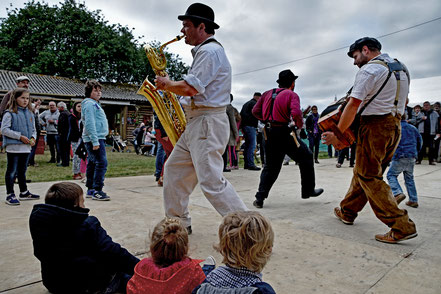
12	104
169	242
245	240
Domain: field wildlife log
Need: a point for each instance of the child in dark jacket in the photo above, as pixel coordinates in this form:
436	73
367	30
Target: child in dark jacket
76	253
169	269
245	241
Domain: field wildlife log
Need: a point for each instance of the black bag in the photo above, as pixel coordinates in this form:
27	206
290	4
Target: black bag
81	150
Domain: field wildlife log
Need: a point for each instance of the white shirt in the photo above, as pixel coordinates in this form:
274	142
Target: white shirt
210	75
368	81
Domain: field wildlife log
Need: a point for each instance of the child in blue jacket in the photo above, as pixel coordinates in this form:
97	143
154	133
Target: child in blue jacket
95	131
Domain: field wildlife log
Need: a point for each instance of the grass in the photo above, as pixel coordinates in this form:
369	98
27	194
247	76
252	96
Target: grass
119	165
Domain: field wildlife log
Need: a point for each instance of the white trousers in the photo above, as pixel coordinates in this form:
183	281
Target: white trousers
197	157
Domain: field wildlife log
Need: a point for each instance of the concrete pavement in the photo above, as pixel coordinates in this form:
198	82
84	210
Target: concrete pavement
313	252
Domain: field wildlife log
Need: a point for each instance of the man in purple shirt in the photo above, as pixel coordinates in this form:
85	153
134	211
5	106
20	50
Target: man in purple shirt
277	108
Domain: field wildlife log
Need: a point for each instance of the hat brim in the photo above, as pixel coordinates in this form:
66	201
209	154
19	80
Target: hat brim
295	78
205	20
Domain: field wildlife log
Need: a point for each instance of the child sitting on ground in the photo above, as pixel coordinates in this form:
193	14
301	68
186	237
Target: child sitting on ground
76	254
169	269
245	241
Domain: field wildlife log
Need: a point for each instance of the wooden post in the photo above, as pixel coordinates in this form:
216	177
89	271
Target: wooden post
123	125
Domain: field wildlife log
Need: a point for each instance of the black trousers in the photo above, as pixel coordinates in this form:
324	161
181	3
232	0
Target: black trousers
345	153
280	142
427	143
52	141
64	146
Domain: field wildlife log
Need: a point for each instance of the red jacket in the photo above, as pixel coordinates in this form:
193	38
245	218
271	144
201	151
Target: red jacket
180	277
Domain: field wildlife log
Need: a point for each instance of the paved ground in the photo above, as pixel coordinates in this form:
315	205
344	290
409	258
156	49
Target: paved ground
313	252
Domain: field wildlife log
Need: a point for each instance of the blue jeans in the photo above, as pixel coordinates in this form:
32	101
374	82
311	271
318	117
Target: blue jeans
160	156
249	134
405	166
96	166
17	164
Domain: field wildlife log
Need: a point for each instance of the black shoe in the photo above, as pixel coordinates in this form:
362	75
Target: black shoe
253	168
314	193
51	161
258	204
316	161
189	230
227	170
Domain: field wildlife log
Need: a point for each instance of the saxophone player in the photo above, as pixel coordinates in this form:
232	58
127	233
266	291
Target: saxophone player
197	156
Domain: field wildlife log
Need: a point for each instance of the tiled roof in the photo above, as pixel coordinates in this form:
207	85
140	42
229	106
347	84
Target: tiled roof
60	86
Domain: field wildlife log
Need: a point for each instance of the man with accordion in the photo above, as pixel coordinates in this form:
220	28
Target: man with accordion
376	103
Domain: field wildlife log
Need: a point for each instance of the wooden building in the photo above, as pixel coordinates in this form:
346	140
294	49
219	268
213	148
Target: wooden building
123	107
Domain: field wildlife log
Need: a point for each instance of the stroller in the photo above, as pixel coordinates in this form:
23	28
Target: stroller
118	145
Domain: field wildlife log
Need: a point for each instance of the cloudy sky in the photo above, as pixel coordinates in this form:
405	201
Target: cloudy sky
264	37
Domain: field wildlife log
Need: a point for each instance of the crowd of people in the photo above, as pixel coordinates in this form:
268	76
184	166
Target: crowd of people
68	241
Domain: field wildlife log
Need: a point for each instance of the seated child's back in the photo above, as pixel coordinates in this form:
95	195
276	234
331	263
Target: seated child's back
245	241
76	254
169	269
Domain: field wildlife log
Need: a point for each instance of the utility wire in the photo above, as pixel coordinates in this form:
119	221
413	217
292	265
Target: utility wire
333	50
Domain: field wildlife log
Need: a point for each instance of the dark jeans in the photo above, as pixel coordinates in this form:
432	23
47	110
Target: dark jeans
427	142
314	144
96	166
52	142
280	142
16	166
249	134
159	164
64	146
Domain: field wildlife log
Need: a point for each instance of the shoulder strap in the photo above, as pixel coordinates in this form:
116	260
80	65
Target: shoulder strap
273	98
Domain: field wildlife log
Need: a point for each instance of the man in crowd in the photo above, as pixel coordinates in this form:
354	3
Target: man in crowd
429	129
197	156
378	136
277	107
22	82
49	119
313	132
63	132
248	125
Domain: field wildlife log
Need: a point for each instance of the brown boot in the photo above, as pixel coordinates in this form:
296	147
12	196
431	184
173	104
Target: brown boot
412	204
400	197
340	216
390	237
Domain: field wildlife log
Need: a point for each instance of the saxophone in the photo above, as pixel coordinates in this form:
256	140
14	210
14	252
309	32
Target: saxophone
165	103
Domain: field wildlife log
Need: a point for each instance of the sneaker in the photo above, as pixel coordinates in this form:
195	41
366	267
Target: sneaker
90	193
226	170
100	196
390	237
77	177
189	230
400	197
210	261
11	200
412	204
258	204
339	215
208	265
338	165
28	196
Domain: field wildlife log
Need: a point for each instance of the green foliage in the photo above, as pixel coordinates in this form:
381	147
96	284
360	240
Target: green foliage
71	41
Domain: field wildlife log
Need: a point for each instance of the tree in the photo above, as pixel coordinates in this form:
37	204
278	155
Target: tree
71	41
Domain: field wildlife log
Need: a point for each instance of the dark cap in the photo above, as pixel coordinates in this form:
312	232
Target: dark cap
286	77
201	12
22	78
358	45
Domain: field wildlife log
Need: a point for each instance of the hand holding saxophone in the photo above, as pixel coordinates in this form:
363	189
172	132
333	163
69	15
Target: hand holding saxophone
161	83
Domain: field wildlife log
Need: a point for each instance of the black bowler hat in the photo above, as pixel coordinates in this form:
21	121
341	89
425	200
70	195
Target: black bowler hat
201	12
358	45
286	77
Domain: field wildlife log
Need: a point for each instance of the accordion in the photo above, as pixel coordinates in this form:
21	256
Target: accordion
328	121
